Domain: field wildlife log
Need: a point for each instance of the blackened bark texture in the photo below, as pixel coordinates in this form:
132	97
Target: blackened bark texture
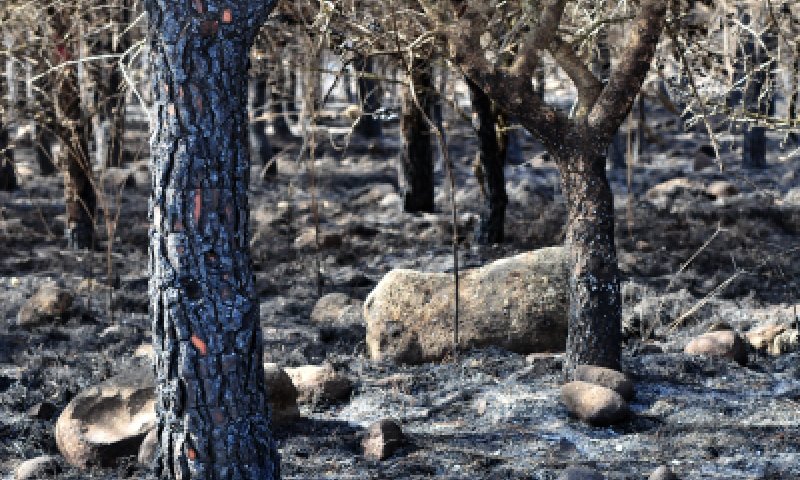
492	159
595	306
417	155
72	128
369	92
213	419
259	141
8	177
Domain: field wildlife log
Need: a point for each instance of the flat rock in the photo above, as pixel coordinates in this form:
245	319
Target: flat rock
282	395
148	448
721	343
320	383
594	404
662	473
39	467
518	303
606	377
107	421
382	439
580	473
337	309
50	302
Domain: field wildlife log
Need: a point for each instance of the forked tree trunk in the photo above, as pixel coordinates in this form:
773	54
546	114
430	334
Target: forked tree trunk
492	158
72	129
8	177
595	305
213	419
369	92
259	141
417	155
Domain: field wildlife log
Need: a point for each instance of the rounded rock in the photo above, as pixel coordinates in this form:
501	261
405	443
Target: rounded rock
720	343
594	404
606	377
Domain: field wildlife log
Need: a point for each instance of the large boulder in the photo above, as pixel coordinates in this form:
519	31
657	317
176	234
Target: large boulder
107	421
518	303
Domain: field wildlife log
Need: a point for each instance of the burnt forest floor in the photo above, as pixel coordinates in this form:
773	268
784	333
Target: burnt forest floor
491	414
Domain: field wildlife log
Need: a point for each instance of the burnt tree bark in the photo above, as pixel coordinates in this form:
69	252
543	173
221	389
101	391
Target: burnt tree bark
369	93
8	176
417	155
73	130
213	419
578	144
259	141
493	150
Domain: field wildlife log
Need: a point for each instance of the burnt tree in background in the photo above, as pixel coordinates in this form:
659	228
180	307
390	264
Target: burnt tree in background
8	177
72	129
213	419
369	93
417	156
259	141
578	145
493	150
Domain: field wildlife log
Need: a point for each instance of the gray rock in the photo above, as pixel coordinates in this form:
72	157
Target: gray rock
606	377
518	303
382	439
337	309
580	473
37	468
594	404
662	473
320	383
148	448
282	395
107	421
720	343
50	302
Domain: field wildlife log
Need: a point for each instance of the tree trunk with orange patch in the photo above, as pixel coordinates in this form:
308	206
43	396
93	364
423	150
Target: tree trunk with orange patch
213	419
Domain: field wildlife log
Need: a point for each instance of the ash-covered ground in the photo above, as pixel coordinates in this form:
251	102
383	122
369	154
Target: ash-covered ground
490	414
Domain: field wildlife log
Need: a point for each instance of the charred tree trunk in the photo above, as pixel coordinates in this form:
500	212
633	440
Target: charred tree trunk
369	92
417	156
73	130
8	177
213	419
281	99
492	160
758	99
595	304
259	141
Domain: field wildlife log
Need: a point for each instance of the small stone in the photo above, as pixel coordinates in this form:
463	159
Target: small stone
48	303
327	239
786	342
594	404
662	473
320	383
37	468
722	189
762	336
42	411
606	377
382	439
721	343
580	473
144	350
148	448
282	395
